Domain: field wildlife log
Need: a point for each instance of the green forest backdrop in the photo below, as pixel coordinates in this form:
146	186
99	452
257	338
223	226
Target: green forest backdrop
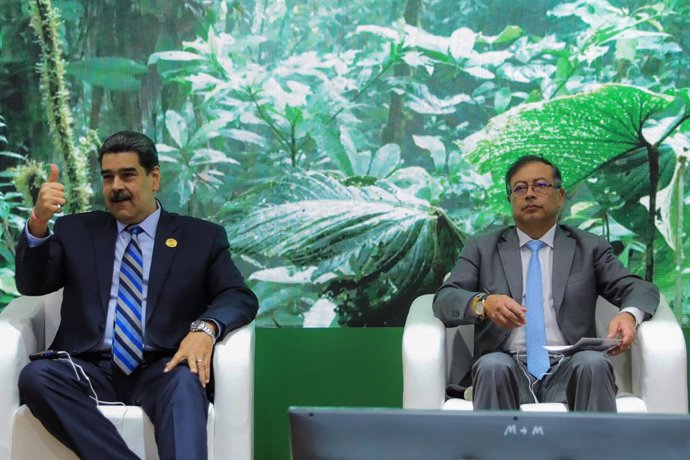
349	147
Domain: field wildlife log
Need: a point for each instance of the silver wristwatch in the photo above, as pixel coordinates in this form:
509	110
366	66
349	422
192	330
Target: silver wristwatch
201	326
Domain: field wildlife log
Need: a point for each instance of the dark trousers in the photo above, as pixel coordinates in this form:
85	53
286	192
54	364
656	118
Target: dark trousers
584	381
65	404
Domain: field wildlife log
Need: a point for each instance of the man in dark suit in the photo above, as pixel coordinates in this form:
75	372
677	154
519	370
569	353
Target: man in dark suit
146	295
536	284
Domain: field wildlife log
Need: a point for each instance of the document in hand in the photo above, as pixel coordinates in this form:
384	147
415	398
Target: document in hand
585	343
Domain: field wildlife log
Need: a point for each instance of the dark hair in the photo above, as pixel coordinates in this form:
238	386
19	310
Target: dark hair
526	159
131	141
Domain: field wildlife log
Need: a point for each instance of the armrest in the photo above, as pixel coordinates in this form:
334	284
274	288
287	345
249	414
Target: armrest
233	369
21	333
659	366
424	357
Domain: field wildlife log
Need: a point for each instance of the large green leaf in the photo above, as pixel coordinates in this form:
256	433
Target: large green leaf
619	185
580	133
111	73
669	219
369	245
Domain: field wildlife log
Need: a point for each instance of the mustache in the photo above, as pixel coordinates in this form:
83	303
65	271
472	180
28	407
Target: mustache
120	195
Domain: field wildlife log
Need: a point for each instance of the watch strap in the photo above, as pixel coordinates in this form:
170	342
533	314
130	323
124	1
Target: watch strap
475	301
202	326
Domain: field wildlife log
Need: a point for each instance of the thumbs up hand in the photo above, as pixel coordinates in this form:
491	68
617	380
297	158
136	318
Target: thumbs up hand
54	171
50	199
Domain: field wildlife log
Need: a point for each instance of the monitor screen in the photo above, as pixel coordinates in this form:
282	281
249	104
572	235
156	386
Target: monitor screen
399	434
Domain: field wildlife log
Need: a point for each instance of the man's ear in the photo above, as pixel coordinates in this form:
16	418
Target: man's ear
156	178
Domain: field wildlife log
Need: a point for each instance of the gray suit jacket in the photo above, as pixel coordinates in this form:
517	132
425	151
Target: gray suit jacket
584	267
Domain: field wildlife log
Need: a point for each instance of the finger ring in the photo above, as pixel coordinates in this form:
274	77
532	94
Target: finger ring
200	360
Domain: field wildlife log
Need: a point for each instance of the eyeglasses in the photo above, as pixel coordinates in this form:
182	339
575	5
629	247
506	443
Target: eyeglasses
540	187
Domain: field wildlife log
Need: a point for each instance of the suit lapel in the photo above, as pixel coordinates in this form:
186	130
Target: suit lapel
509	251
162	258
563	253
104	237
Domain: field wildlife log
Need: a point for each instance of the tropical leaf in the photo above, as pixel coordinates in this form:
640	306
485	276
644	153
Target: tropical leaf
384	161
419	182
7	283
370	244
620	184
434	145
111	73
177	127
580	133
329	141
174	56
508	34
669	219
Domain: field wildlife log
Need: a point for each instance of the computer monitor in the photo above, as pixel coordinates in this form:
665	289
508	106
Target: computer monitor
402	434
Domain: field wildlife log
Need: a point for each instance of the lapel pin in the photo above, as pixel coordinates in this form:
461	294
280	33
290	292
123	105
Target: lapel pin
171	242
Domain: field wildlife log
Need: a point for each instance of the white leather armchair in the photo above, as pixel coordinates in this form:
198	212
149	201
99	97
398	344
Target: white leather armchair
651	377
28	324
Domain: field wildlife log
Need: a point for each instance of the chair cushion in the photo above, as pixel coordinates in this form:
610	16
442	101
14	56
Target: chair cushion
544	407
457	404
629	403
625	403
461	404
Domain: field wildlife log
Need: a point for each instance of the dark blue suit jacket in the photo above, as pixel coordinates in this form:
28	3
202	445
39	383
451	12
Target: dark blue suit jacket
192	276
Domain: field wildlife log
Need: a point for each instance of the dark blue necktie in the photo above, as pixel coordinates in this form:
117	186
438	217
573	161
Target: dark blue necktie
128	343
535	334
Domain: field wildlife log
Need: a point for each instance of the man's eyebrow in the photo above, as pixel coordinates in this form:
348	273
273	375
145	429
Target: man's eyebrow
118	171
533	180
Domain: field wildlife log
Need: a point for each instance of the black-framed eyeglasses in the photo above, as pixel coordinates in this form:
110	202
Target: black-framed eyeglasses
540	187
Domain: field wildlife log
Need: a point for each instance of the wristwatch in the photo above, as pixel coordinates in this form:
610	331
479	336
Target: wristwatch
478	305
201	326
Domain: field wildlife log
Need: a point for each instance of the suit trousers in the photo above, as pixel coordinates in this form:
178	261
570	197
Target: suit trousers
65	401
585	381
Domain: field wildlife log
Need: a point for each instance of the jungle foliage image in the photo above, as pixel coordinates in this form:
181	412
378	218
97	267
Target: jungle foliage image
351	147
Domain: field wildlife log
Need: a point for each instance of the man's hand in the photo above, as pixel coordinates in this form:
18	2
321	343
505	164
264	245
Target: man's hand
504	311
196	348
622	325
50	199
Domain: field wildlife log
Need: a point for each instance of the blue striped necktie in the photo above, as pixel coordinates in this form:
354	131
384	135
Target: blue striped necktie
535	334
128	343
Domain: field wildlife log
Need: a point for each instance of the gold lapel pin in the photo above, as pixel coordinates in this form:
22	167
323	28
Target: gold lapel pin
171	242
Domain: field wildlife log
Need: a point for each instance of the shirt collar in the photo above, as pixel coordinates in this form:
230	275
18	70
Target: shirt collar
148	225
547	238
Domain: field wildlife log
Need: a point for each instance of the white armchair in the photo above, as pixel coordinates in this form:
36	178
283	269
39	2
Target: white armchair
651	377
28	324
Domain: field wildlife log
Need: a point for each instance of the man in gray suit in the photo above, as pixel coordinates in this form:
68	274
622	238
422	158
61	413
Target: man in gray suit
563	270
